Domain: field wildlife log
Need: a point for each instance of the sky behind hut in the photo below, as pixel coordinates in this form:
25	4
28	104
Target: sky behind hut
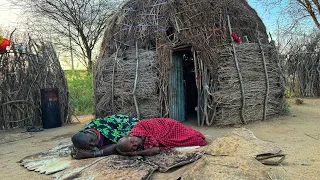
8	14
268	18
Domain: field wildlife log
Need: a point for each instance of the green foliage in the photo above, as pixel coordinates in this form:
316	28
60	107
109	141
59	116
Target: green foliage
288	94
286	108
80	84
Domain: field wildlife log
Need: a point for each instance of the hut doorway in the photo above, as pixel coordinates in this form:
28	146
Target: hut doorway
182	86
190	87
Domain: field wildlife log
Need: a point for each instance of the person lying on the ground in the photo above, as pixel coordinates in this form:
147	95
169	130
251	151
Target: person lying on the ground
99	137
150	136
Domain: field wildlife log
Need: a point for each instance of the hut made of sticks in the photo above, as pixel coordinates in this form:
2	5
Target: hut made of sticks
23	73
177	58
302	64
303	74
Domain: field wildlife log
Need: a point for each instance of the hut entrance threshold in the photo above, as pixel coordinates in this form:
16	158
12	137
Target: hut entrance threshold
182	86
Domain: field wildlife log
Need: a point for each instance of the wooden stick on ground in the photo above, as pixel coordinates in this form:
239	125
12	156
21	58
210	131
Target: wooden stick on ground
316	138
135	82
239	75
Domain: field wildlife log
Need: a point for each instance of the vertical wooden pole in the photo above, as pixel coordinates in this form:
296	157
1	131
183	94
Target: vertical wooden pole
205	96
266	79
201	92
135	82
195	60
242	106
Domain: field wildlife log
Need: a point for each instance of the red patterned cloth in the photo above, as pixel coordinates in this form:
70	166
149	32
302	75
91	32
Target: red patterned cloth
5	42
167	133
236	38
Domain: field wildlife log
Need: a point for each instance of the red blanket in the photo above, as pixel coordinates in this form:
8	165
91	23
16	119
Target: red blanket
167	133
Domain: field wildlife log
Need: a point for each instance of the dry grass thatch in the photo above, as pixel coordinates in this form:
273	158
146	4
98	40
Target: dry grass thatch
22	75
235	83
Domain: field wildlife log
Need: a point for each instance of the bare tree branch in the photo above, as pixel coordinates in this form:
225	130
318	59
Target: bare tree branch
87	20
297	10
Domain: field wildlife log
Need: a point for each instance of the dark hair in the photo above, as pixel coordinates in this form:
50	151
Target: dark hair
78	140
120	144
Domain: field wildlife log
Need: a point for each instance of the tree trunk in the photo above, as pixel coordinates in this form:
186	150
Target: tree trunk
89	56
89	65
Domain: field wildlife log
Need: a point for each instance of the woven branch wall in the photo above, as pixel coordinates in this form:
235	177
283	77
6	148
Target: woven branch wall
115	83
228	94
304	74
22	75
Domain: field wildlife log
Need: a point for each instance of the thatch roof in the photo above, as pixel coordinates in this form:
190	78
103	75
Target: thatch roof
202	23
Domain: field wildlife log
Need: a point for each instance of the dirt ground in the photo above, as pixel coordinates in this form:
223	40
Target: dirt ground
297	134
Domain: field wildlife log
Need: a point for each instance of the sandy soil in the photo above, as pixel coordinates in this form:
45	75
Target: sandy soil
297	134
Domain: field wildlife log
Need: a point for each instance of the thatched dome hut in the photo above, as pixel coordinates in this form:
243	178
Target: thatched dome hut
24	73
177	59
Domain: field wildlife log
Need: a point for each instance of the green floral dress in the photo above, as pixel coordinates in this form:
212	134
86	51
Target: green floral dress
113	127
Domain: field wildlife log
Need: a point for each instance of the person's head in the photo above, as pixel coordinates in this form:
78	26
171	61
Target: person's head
128	144
85	140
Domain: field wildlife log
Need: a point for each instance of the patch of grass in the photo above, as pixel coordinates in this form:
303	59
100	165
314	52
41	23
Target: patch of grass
80	84
286	108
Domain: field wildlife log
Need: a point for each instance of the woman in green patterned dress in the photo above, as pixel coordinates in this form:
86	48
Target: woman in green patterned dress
99	137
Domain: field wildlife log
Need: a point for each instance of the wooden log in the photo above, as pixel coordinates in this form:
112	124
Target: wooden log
201	97
135	82
20	120
205	97
17	101
195	60
266	79
239	75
